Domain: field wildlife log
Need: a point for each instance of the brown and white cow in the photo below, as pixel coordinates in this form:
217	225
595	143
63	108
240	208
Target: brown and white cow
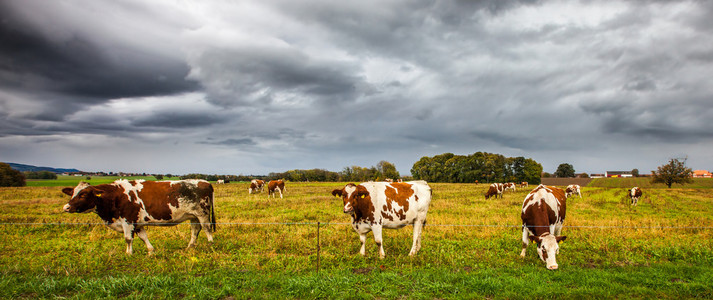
635	194
573	189
377	205
509	186
128	205
275	186
543	213
256	186
495	189
524	184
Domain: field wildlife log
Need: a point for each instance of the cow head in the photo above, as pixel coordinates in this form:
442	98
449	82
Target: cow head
84	198
548	248
351	195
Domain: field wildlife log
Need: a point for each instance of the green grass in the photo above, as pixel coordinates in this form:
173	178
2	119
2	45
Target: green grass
95	180
645	182
612	251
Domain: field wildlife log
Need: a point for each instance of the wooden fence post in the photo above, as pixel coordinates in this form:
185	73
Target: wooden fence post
318	248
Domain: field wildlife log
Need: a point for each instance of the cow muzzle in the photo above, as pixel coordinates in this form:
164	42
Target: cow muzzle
348	209
552	267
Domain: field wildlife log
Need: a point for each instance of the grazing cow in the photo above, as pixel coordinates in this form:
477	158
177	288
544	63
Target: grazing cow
635	194
220	181
495	189
524	184
377	205
256	186
275	186
127	206
543	213
509	186
388	180
573	189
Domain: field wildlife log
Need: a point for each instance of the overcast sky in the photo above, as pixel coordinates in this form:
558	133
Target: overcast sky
252	87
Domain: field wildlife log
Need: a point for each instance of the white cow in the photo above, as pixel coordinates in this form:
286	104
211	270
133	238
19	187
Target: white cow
376	205
573	189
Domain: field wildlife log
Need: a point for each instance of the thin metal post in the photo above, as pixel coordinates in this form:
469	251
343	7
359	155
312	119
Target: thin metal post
318	248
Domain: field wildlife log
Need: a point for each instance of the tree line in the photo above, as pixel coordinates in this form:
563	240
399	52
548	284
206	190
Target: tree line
381	171
477	167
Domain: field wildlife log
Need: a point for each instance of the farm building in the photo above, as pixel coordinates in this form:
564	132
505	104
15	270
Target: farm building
702	174
619	174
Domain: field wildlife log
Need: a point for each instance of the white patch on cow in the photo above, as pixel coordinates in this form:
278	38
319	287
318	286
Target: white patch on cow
82	185
540	193
349	189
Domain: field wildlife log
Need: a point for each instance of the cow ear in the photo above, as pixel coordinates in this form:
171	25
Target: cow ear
337	193
68	191
535	239
561	238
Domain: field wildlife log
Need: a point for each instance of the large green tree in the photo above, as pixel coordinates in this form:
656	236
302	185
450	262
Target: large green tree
388	170
479	166
564	170
10	176
675	171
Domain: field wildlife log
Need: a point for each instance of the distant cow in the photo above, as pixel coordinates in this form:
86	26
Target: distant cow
509	186
524	184
495	189
635	194
573	189
377	205
220	181
256	186
543	213
127	206
275	186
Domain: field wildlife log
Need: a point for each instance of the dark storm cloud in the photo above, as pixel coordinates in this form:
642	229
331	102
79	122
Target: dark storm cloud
256	76
328	84
230	142
76	66
170	119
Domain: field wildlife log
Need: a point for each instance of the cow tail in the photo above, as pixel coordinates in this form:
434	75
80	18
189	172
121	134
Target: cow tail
212	213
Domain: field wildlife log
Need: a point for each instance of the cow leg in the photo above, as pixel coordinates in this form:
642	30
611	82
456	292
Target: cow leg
128	236
417	227
525	240
362	238
195	230
144	237
379	241
205	223
279	190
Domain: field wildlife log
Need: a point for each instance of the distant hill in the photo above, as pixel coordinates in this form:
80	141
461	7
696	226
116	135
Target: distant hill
23	168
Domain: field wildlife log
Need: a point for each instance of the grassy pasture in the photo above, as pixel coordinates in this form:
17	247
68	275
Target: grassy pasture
470	249
645	183
74	180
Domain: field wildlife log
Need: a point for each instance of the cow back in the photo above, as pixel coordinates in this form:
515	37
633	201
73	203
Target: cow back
543	207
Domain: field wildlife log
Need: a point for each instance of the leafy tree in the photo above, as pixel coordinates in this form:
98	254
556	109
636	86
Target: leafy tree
635	172
40	175
479	166
546	175
564	170
158	177
10	176
584	175
673	172
388	170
